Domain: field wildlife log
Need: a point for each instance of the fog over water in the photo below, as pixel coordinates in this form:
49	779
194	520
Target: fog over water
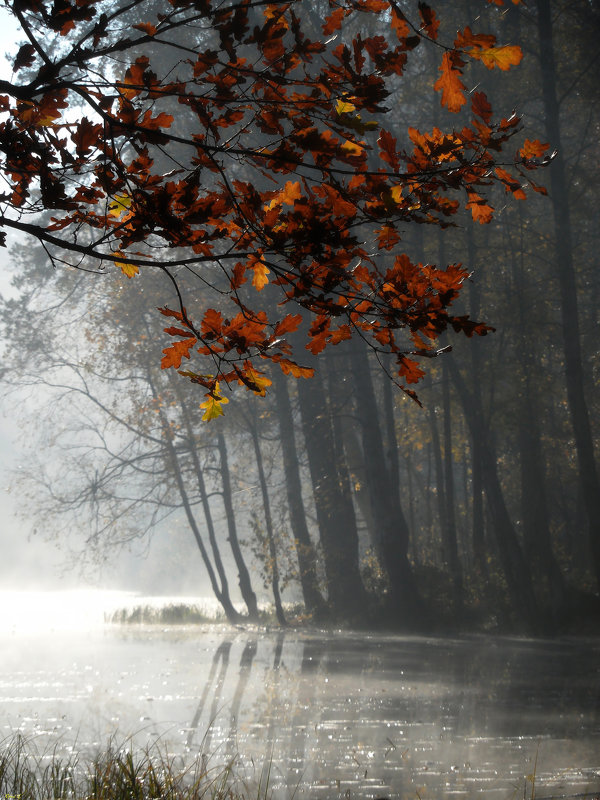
337	714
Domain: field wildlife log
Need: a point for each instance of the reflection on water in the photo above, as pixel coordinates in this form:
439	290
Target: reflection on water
339	715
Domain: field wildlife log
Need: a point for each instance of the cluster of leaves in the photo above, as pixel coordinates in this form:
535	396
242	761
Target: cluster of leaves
243	146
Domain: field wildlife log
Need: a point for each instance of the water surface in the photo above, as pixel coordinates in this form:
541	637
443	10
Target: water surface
336	714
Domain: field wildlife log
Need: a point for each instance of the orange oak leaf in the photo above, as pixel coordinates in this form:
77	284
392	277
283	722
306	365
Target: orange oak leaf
399	23
480	210
212	324
291	368
449	82
259	280
175	352
503	57
288	324
533	149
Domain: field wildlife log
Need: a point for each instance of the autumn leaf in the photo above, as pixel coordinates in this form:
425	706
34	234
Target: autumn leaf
119	204
175	352
334	21
480	210
256	381
480	106
212	324
146	27
410	370
429	21
387	237
533	149
291	368
502	57
288	324
343	107
260	270
399	23
134	78
289	194
340	334
449	82
213	404
127	269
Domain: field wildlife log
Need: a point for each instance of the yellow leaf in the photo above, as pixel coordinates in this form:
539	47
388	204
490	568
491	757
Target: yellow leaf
127	269
342	107
119	204
502	57
258	379
213	404
352	148
396	193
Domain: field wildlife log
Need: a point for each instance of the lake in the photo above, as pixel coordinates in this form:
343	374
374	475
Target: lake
336	714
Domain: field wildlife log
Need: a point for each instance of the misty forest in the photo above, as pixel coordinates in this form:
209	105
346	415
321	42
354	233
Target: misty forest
302	320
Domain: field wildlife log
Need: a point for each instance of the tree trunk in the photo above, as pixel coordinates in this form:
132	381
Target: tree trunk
392	534
221	592
212	538
335	514
514	565
274	567
305	551
449	497
243	575
588	474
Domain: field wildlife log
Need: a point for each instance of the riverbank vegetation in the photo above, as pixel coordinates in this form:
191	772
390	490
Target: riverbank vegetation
120	772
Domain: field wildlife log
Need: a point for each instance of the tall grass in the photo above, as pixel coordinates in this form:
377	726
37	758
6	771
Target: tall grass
118	773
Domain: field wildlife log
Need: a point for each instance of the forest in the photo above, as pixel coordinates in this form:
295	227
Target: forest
343	254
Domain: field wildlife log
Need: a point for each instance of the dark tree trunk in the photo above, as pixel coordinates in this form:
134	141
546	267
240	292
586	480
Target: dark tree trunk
392	535
588	474
515	567
478	517
305	550
451	544
335	512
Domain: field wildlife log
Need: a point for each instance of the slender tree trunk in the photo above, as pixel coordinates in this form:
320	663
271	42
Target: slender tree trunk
221	592
245	584
305	550
478	517
449	497
212	538
588	473
274	567
391	440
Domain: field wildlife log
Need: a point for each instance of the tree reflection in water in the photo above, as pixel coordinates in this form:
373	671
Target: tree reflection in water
329	713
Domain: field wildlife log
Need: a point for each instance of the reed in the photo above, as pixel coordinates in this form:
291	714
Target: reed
117	773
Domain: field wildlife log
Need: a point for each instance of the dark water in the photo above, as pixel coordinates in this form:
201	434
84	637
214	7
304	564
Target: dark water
334	714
